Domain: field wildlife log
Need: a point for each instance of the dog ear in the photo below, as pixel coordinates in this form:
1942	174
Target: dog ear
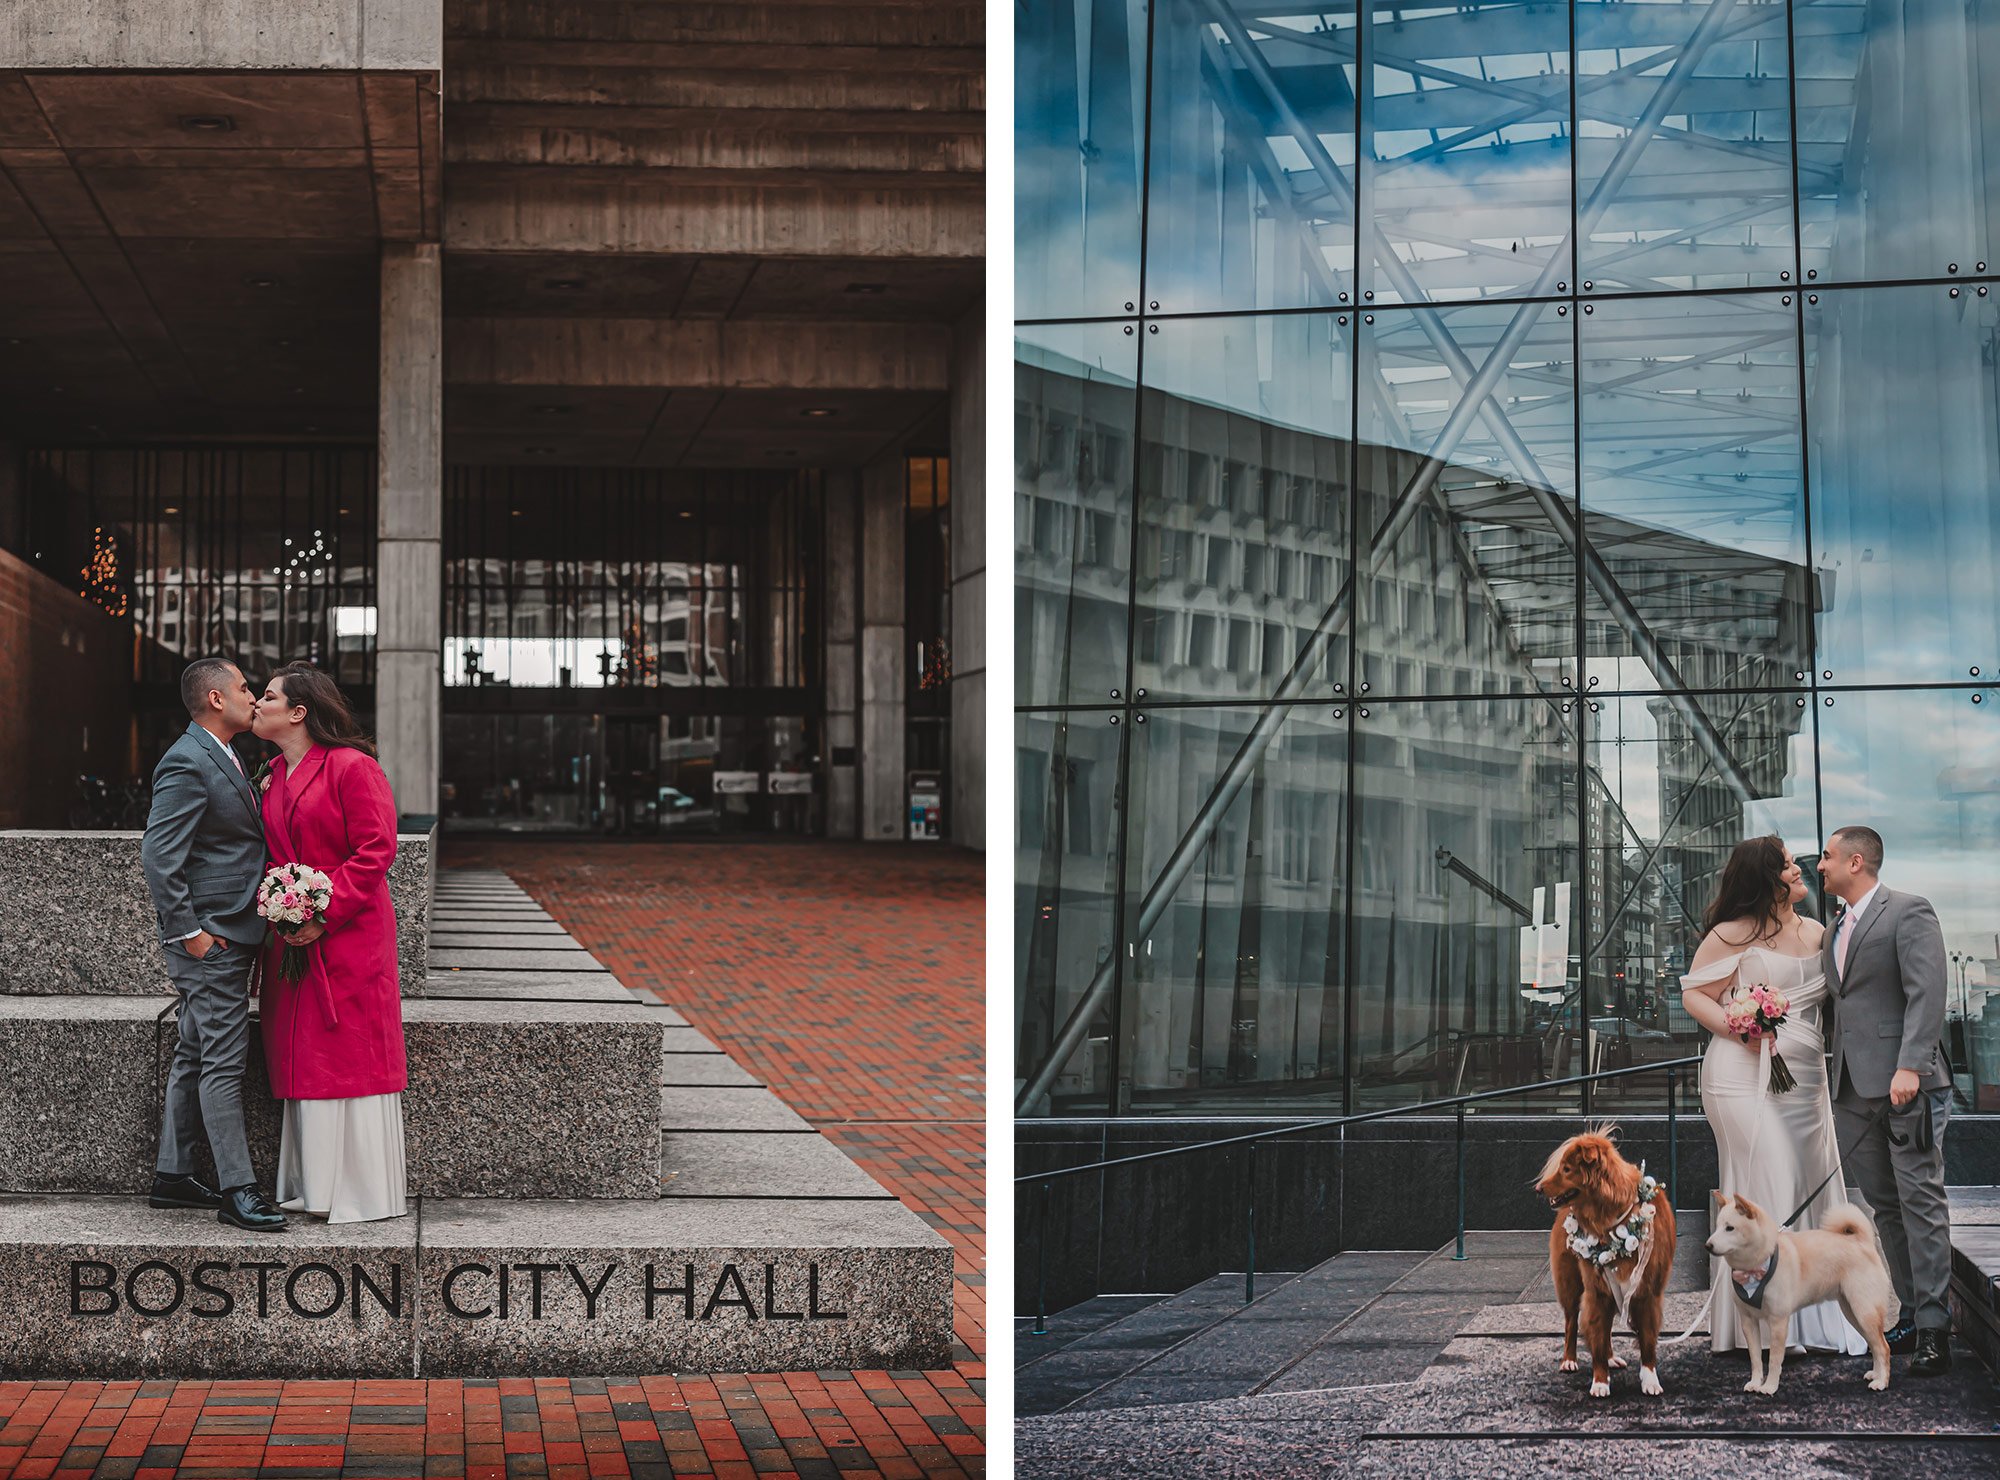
1750	1209
1721	1198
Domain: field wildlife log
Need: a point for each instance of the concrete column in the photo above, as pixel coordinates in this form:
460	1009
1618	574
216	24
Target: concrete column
884	722
843	654
409	572
968	580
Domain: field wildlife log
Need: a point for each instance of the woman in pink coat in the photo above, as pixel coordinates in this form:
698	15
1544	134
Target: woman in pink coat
333	1041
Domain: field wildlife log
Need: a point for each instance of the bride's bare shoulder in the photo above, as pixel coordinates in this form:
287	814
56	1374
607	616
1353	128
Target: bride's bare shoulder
1730	935
1811	931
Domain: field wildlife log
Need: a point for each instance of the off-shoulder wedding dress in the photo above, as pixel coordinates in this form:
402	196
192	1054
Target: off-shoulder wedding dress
1774	1149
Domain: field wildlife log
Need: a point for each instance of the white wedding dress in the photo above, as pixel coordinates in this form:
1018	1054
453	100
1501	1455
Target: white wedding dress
1774	1149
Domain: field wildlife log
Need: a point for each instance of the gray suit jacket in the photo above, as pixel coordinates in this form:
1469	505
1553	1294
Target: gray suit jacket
204	847
1888	1006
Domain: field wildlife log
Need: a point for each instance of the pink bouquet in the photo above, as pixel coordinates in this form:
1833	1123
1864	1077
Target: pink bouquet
1754	1013
293	896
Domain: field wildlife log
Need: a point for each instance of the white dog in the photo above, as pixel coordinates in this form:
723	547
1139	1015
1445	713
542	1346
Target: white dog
1777	1273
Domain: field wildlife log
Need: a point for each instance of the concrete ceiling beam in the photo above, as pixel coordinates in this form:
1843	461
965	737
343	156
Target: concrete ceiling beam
521	211
671	85
702	355
709	55
198	35
610	142
472	117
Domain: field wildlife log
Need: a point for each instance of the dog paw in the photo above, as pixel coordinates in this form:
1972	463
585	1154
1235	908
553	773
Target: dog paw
1754	1385
1770	1387
1567	1364
1600	1390
1879	1384
1649	1382
1616	1364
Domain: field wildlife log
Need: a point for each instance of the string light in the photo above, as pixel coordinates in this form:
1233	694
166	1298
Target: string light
100	577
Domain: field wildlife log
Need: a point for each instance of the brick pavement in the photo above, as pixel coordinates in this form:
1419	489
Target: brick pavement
850	980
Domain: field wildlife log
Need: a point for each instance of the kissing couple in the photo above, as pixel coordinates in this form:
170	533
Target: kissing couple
333	1031
1863	1040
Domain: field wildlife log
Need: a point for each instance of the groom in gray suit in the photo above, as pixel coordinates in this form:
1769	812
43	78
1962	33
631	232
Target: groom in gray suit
1885	959
204	858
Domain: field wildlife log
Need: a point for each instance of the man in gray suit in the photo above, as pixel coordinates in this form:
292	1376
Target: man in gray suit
204	857
1885	962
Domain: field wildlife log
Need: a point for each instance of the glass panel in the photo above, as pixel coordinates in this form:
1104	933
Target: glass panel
1694	494
1466	154
1684	155
1065	892
1671	786
1079	93
1468	582
1901	393
1243	545
1923	770
1073	410
1462	809
1251	198
1232	995
1897	119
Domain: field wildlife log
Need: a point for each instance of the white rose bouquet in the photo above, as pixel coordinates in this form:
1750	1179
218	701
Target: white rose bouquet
291	897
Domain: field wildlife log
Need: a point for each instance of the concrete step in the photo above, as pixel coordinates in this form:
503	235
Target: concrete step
506	1098
56	940
104	1287
502	958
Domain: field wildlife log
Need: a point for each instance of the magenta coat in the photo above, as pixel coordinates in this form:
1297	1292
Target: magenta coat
337	1034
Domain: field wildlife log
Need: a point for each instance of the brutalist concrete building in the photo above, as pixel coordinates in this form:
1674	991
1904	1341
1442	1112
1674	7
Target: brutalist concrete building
595	389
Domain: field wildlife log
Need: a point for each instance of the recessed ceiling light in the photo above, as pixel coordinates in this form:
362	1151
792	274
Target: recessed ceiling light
817	411
343	511
298	390
260	280
171	509
555	410
515	512
17	341
562	285
208	123
870	289
282	343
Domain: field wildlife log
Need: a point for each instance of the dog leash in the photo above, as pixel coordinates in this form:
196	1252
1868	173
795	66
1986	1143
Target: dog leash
1840	1160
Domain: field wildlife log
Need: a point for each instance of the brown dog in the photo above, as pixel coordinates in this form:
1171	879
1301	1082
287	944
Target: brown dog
1595	1191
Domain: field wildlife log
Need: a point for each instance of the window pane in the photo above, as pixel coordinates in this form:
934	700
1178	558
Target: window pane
1079	96
1672	785
1251	199
1901	395
1065	888
1466	156
1923	769
1684	154
1073	409
1243	534
1468	575
1462	809
1897	130
1694	494
1232	994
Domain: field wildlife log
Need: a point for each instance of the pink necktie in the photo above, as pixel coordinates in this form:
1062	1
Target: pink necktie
1841	933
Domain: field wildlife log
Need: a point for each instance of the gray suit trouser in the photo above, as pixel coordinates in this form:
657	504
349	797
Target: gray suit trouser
205	1084
1905	1188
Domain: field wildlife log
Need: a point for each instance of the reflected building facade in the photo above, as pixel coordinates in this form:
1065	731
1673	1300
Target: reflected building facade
1465	452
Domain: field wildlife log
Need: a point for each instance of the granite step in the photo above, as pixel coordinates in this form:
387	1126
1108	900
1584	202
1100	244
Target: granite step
56	940
506	1098
500	958
105	1287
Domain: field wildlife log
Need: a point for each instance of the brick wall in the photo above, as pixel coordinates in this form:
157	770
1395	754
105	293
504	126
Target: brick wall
65	696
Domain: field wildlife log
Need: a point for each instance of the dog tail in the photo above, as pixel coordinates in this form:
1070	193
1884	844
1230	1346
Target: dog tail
1849	1222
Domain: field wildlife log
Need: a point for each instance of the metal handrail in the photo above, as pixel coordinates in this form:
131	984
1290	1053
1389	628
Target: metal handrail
1455	1103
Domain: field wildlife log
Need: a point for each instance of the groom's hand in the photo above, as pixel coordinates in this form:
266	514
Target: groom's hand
198	946
1903	1088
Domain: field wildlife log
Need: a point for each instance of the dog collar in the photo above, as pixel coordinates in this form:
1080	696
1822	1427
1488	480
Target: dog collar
1751	1284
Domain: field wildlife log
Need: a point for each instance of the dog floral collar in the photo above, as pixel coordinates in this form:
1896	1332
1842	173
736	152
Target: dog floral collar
1626	1235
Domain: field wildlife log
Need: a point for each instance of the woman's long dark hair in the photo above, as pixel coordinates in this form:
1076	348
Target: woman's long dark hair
328	719
1753	881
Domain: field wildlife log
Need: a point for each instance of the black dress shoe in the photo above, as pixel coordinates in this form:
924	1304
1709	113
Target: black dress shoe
180	1190
246	1207
1902	1338
1933	1353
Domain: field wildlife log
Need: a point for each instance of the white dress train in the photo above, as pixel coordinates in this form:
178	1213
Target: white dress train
342	1160
1774	1149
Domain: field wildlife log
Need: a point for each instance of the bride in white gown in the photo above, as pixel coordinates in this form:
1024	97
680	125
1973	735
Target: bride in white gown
1772	1148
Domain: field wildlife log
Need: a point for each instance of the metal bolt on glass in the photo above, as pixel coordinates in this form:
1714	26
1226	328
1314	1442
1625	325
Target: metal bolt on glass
1785	276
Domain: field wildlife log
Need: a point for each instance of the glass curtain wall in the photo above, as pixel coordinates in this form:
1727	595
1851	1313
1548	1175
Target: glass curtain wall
1472	461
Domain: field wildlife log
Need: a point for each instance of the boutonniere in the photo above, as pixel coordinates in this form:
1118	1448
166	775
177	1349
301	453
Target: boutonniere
260	779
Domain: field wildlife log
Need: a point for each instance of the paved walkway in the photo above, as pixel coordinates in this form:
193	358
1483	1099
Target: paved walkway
851	980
